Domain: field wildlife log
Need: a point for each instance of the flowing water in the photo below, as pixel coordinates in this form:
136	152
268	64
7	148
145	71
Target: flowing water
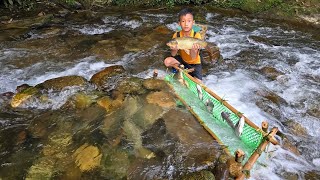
247	46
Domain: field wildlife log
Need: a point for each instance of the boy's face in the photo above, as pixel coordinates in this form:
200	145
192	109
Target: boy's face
186	22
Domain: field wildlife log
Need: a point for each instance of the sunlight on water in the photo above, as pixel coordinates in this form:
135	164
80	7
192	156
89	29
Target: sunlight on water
93	29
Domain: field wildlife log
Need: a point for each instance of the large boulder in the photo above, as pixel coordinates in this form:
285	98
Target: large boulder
108	77
60	83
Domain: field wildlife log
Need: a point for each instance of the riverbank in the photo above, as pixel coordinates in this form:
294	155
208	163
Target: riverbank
301	14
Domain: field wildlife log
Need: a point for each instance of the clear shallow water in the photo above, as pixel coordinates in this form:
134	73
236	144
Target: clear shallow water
292	52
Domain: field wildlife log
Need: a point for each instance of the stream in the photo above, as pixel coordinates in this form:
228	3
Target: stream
269	72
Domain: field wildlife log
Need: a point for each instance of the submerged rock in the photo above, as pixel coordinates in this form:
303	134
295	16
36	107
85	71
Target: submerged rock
271	72
162	99
205	174
154	84
87	157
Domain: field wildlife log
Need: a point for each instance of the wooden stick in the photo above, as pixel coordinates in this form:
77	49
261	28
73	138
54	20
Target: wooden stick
254	157
264	126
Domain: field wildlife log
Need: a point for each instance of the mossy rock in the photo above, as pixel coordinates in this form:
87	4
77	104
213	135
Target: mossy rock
60	83
101	78
87	157
23	96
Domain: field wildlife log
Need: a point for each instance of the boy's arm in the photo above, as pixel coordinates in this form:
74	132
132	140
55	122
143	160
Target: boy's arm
195	47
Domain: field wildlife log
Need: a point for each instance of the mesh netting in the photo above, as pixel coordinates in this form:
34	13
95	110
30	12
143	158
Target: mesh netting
250	136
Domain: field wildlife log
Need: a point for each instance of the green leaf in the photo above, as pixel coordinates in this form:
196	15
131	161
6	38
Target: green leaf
19	2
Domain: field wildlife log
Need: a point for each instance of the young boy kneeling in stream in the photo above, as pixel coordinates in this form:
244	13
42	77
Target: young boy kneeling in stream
191	59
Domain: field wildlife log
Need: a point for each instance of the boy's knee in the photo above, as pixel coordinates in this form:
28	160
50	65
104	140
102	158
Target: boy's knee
167	61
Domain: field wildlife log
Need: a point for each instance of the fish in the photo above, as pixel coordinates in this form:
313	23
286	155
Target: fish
186	43
209	105
238	128
199	90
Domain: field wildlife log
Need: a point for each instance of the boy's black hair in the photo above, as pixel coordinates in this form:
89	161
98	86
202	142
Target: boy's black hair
184	12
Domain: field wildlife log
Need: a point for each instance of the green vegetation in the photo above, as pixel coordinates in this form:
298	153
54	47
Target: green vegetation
285	7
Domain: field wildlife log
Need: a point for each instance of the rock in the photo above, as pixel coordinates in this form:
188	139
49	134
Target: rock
147	115
154	84
204	174
82	101
163	99
116	164
109	104
42	169
259	39
131	86
23	96
87	157
288	145
296	128
163	30
62	82
235	168
108	77
22	87
312	175
314	108
57	143
271	96
270	108
271	72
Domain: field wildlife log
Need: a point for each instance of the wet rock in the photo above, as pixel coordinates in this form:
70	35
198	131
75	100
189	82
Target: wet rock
21	137
270	72
147	115
22	87
110	104
162	99
235	168
116	164
208	175
23	96
180	128
314	108
28	22
312	175
108	77
290	176
296	128
132	85
56	144
43	168
259	39
270	108
133	134
163	30
62	82
154	84
271	96
82	101
87	157
288	145
107	50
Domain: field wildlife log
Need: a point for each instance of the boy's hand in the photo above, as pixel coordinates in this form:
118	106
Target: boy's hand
196	47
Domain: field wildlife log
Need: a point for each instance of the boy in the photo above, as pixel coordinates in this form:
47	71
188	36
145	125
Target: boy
190	60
